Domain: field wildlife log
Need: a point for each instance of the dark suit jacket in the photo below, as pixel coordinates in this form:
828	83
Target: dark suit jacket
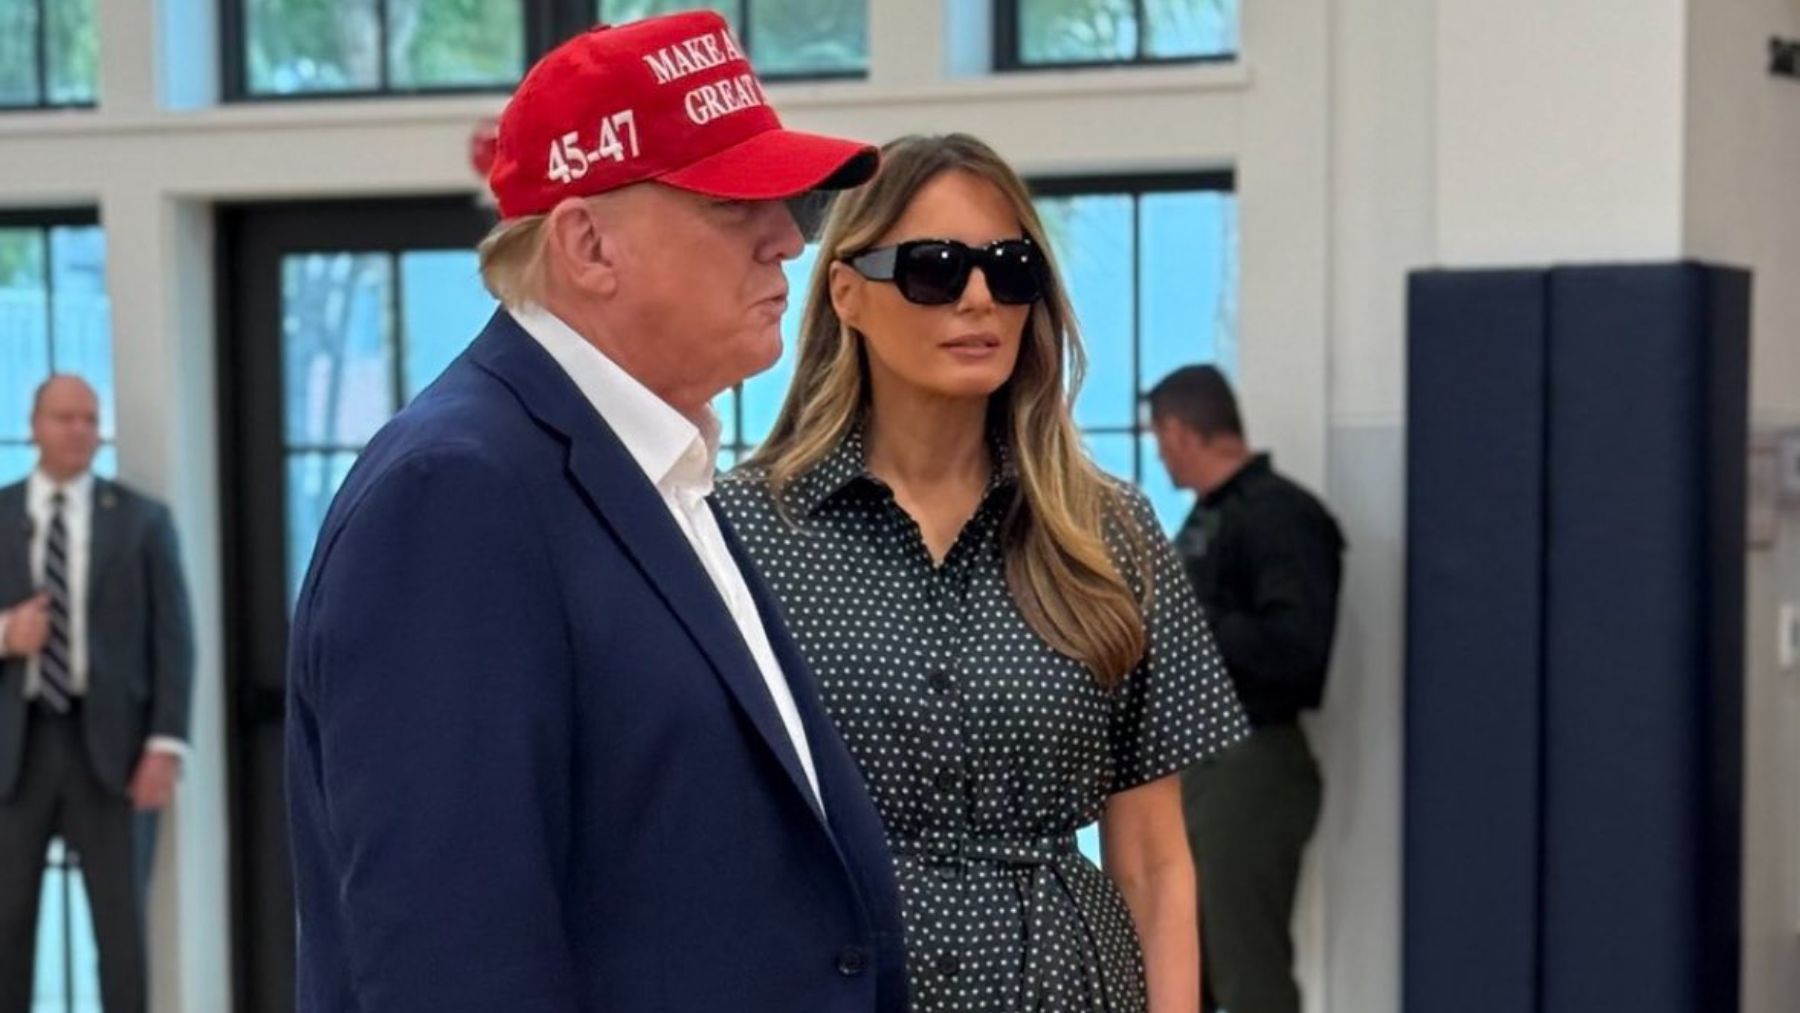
532	765
140	638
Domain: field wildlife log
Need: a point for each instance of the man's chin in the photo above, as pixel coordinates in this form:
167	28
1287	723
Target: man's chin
763	352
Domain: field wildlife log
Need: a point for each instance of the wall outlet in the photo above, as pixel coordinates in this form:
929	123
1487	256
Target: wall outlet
1787	629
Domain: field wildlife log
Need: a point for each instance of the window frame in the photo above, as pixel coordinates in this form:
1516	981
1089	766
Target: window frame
547	24
745	32
43	220
42	68
1007	58
1136	186
546	21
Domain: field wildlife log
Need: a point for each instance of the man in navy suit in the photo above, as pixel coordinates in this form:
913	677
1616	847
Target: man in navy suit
550	747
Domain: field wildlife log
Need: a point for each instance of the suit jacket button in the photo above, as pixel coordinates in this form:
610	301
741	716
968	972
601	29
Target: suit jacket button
948	965
852	961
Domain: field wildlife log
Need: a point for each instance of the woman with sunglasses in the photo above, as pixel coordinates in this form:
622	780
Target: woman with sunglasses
1001	632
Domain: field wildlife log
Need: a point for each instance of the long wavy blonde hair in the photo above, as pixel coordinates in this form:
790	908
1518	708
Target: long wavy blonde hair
1058	567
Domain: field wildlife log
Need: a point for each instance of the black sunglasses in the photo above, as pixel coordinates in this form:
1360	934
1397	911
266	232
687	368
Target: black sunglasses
933	272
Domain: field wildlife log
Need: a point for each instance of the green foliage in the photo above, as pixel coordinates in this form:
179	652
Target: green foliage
335	45
74	56
21	258
455	42
618	12
1073	31
70	63
809	36
785	36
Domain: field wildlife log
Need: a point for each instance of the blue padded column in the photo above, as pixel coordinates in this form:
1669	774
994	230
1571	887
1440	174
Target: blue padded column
1475	502
1644	635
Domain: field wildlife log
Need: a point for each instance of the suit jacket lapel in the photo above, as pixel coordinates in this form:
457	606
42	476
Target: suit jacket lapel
618	491
15	538
821	734
104	539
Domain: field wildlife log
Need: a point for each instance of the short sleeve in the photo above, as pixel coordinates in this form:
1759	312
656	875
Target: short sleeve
1178	706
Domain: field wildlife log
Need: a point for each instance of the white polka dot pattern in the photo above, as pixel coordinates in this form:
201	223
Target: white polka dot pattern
984	748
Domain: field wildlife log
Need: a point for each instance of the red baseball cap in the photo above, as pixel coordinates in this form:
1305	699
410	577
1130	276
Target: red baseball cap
669	99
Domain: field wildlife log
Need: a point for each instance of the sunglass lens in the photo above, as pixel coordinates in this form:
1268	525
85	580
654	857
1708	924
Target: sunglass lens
1015	272
932	273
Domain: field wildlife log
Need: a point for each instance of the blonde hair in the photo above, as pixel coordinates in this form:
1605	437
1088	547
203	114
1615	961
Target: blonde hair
512	254
1058	568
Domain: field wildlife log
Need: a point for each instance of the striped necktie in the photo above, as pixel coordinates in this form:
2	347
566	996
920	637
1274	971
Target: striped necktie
56	685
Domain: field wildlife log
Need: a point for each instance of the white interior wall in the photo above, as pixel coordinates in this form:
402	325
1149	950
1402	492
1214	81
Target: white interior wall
1559	130
1383	205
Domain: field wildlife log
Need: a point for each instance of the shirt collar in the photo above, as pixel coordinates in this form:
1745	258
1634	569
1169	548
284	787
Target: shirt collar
676	452
847	466
77	492
1257	465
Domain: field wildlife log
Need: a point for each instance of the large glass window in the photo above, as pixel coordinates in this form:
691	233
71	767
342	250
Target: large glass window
48	53
322	47
784	38
319	48
55	317
362	333
1031	34
67	977
1151	266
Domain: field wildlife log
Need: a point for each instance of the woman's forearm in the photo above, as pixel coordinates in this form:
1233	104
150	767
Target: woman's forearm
1162	906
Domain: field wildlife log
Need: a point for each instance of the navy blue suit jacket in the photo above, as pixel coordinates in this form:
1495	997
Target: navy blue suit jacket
532	765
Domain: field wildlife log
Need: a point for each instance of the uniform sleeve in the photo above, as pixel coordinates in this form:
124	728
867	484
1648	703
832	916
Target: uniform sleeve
1280	639
1177	707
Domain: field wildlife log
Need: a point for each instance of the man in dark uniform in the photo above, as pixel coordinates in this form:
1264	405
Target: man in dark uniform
1265	558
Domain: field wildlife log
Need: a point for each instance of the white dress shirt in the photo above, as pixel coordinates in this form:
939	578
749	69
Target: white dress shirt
78	522
678	456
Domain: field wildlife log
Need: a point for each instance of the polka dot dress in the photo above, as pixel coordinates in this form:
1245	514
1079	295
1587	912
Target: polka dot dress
984	748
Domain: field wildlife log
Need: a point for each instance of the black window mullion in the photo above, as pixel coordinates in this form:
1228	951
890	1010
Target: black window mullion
233	33
384	72
549	22
1006	35
743	25
43	53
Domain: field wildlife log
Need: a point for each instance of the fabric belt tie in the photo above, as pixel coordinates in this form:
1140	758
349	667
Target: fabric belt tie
1052	863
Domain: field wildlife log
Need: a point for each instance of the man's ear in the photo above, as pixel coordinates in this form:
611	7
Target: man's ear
582	247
